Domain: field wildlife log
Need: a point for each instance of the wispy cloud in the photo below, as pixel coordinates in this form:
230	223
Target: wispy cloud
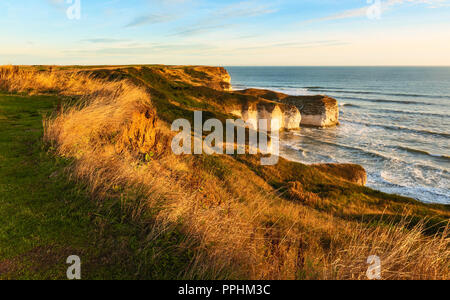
150	19
291	45
225	15
197	30
383	6
144	50
57	4
104	40
245	9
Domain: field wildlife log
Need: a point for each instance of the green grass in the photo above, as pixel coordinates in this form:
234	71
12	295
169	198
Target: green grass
45	217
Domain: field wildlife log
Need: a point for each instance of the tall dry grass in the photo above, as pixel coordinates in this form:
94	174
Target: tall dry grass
404	253
15	79
238	226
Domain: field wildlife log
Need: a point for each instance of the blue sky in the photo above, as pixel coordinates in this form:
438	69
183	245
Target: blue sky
248	32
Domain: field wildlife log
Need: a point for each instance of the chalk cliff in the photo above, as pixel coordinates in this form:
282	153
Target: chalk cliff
202	85
279	116
318	111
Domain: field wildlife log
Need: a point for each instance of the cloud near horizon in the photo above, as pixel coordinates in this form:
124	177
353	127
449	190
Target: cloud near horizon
380	5
235	32
104	40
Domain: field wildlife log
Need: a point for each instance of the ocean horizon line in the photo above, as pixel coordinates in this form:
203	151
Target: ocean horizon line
234	66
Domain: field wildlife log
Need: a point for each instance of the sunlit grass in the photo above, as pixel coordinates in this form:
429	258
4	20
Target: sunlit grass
238	220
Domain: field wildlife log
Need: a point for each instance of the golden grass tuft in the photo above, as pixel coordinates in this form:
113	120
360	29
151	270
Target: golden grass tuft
298	193
404	253
237	225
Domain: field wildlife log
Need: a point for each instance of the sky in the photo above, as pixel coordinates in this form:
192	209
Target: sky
226	33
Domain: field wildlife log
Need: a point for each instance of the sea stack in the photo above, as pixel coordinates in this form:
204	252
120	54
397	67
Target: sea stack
280	116
316	111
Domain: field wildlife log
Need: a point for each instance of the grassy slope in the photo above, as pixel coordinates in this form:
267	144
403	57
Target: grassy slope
175	100
45	217
127	253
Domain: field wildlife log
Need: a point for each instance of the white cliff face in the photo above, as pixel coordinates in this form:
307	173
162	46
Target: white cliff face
276	120
317	111
279	117
332	116
250	115
274	117
292	118
328	118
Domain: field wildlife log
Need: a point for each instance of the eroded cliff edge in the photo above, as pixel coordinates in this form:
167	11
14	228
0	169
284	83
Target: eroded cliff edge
252	108
213	77
212	85
317	111
289	112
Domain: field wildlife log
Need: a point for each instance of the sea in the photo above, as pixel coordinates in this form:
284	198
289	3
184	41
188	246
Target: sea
394	121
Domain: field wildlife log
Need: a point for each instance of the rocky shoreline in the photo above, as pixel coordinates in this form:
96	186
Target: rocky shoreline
291	112
316	111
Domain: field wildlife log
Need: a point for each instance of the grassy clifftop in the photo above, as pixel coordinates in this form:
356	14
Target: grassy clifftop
228	216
